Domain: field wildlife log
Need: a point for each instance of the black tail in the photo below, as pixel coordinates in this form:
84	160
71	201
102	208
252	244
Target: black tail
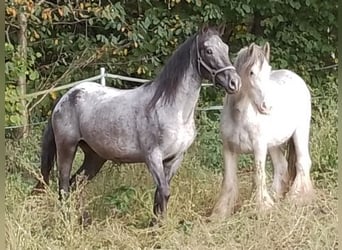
291	159
48	154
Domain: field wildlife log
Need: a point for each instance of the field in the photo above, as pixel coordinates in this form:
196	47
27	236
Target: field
119	201
52	43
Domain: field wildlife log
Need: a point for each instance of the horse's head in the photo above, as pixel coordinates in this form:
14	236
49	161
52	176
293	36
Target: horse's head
252	64
213	61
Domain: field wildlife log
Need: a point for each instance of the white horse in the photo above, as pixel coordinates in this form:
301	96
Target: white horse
273	107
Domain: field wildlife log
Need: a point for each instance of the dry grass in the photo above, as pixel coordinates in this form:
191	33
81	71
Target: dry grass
120	203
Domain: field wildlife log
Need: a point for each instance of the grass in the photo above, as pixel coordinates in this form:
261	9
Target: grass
119	200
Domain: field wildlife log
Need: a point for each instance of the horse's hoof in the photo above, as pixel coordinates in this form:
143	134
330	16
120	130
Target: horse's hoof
154	222
216	217
301	191
38	189
265	205
220	213
301	198
262	200
157	222
85	219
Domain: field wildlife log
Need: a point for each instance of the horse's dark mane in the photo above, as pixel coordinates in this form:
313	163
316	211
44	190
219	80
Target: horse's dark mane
171	75
174	70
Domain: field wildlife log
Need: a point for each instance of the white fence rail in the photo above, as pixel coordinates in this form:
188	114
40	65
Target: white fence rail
102	77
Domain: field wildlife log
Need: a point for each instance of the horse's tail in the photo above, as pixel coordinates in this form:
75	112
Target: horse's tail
291	159
47	156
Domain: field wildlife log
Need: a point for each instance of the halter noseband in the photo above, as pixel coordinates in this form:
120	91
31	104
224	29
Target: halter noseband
212	72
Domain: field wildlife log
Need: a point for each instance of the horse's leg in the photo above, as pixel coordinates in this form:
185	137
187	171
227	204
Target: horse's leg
228	195
155	165
302	189
170	168
91	165
280	176
66	149
262	197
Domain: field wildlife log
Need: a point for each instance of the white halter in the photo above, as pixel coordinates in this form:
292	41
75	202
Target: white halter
212	72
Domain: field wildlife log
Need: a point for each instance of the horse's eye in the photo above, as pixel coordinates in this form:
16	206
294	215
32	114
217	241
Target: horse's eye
251	73
209	51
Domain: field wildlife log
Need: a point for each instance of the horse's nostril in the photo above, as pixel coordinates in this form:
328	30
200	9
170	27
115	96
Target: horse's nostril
263	105
232	84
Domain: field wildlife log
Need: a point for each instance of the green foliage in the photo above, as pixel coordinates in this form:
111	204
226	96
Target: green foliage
69	41
135	38
121	199
20	153
324	131
209	140
16	66
13	107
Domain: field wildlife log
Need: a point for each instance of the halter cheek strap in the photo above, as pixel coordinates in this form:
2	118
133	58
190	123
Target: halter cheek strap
212	72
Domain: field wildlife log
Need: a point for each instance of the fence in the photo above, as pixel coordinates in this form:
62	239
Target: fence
102	77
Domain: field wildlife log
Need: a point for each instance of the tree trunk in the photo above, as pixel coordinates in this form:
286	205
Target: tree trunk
22	21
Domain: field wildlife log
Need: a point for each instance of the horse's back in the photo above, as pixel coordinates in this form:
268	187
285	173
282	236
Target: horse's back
288	80
92	94
291	106
96	90
86	93
289	95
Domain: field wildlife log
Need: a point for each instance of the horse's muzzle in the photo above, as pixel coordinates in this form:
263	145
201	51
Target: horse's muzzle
233	84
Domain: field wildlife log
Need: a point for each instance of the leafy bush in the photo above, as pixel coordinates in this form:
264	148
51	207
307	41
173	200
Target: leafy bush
13	107
209	140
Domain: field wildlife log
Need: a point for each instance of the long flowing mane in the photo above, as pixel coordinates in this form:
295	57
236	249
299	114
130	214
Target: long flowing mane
173	72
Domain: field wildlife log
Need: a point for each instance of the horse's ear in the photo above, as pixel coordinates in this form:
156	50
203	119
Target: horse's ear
204	29
221	29
251	49
267	50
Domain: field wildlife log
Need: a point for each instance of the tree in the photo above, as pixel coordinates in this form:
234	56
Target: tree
70	40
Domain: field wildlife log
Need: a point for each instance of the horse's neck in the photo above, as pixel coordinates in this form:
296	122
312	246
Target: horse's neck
239	105
188	93
186	96
240	101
